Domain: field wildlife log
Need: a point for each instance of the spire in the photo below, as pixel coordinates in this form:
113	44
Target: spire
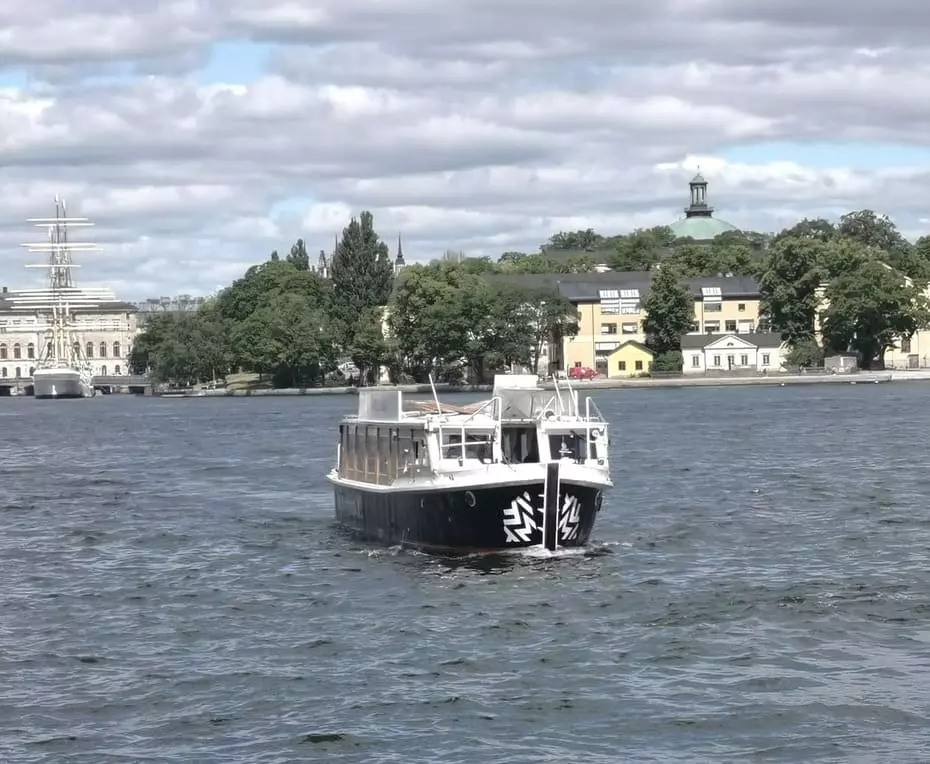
399	261
698	206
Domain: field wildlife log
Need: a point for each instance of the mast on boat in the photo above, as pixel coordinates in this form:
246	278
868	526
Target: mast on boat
60	295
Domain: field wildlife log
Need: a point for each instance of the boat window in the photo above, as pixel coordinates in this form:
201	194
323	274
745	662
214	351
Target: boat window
451	445
385	440
478	446
519	445
405	455
567	445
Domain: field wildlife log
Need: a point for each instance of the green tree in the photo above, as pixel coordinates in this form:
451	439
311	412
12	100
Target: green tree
299	257
362	274
869	310
789	279
369	349
669	308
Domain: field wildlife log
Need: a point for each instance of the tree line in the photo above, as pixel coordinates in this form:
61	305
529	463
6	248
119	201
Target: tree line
460	317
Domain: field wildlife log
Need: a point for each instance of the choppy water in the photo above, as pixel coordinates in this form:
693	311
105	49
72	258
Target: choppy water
172	589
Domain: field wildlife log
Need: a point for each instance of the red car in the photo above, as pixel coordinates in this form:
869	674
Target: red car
581	372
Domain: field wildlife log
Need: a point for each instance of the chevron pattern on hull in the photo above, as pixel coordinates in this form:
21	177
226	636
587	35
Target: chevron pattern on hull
483	519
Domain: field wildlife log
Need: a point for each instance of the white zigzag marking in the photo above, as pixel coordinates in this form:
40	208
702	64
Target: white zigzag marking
518	520
569	518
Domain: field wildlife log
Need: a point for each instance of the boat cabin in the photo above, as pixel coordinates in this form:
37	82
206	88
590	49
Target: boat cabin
394	438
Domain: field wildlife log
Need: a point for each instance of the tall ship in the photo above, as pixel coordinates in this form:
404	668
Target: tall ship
62	370
527	467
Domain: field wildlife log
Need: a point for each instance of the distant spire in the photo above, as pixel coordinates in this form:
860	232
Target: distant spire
399	262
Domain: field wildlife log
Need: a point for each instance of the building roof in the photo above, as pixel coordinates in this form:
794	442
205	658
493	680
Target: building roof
759	339
586	287
701	228
634	343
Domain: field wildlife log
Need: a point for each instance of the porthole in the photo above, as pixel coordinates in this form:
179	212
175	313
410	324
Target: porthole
469	498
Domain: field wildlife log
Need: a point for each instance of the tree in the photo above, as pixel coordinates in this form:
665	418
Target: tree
871	308
640	250
788	283
299	257
669	308
809	230
362	274
369	347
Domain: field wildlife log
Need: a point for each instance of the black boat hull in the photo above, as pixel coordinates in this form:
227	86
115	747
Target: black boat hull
493	518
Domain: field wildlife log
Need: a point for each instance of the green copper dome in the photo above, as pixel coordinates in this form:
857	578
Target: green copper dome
701	228
699	222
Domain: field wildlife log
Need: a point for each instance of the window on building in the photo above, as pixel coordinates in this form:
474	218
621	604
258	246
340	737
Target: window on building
744	360
765	359
17	352
3	352
608	328
19	372
77	348
621	365
31	350
711	327
713	307
116	370
741	307
32	370
716	360
116	349
103	371
731	326
3	372
577	364
639	366
695	361
906	345
90	349
630	328
103	349
695	327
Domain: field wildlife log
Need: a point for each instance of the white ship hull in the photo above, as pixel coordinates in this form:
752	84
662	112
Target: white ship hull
61	383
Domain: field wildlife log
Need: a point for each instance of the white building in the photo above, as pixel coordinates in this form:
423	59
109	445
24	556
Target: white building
729	353
105	332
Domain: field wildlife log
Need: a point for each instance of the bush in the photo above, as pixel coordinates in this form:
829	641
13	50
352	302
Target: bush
671	361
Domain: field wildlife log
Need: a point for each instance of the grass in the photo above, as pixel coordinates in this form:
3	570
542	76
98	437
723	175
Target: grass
247	381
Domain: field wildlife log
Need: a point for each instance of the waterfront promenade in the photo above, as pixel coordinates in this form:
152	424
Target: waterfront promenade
772	380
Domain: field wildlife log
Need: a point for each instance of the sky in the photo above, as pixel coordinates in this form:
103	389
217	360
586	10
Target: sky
200	135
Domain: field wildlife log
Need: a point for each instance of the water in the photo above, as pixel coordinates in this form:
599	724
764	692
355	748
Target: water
172	589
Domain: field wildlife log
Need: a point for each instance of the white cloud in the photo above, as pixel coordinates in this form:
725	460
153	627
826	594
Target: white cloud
472	124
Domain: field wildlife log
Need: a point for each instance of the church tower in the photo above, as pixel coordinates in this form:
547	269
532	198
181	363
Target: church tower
399	262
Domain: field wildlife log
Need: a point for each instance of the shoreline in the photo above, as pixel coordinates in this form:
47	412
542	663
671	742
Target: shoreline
783	380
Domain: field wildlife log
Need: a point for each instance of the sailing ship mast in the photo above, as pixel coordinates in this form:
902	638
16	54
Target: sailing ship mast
60	296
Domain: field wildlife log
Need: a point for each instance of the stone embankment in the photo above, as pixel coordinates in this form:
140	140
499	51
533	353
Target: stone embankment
777	380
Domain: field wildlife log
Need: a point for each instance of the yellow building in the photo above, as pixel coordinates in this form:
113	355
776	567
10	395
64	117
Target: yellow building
631	359
610	312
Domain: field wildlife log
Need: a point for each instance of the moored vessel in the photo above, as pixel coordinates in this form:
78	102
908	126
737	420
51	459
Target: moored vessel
62	370
526	468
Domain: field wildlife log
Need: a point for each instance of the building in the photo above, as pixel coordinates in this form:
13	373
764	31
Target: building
732	353
105	332
631	359
699	222
610	311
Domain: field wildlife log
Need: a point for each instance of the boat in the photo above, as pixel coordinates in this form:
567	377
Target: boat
526	468
62	370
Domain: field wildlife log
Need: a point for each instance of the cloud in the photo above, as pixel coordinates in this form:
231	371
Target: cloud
474	125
